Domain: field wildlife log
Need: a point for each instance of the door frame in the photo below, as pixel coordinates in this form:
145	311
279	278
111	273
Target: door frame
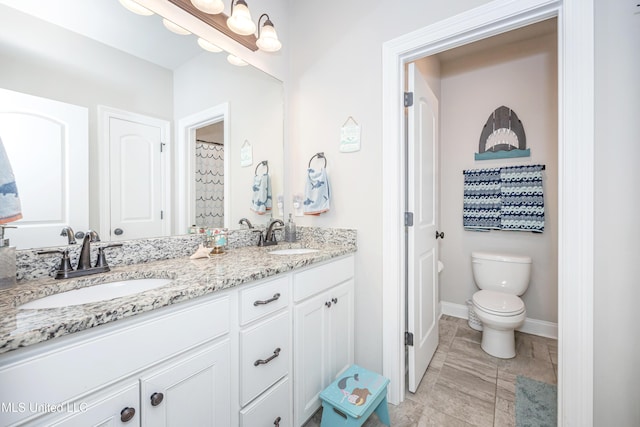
185	164
576	178
105	114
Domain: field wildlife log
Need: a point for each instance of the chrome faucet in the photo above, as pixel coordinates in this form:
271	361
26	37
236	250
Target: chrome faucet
245	221
69	234
84	262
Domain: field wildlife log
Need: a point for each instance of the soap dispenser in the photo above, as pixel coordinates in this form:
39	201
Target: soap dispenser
7	260
290	231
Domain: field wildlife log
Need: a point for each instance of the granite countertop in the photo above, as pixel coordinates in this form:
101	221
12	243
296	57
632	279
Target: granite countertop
190	279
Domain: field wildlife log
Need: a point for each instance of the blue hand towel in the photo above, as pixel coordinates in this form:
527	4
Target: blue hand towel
316	192
261	198
522	198
10	209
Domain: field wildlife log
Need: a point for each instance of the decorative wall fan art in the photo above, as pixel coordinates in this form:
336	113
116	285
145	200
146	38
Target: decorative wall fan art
503	136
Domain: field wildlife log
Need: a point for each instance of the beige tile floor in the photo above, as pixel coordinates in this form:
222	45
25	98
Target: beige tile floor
464	386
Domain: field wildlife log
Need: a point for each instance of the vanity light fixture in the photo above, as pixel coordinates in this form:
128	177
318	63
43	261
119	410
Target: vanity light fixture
267	38
136	8
236	61
208	46
240	21
174	28
212	7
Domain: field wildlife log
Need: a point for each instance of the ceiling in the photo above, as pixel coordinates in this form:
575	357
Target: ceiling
108	22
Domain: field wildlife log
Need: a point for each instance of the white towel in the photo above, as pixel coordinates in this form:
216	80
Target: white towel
10	209
317	196
261	197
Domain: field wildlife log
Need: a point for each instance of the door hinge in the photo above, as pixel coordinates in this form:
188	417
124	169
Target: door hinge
161	214
408	339
408	219
408	99
162	144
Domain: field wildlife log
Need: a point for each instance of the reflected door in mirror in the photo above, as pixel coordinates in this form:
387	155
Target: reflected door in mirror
46	142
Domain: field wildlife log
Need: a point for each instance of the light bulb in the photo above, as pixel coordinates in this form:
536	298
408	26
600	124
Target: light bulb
212	7
208	46
174	28
134	7
236	61
268	40
240	21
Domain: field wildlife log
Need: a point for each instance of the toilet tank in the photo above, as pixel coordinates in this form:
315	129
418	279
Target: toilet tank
501	272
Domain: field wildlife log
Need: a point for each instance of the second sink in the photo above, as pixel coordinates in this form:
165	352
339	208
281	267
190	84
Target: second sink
95	293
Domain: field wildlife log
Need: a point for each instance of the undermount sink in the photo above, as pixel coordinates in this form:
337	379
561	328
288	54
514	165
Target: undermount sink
293	251
95	293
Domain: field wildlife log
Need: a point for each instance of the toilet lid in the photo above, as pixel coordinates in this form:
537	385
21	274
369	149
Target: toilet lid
498	303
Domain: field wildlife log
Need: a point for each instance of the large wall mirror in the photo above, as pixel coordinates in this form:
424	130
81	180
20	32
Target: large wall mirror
119	67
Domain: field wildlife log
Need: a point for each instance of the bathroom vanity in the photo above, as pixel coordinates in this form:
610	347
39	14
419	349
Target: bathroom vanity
246	338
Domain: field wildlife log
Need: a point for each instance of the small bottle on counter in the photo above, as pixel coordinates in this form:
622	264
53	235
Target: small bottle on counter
290	231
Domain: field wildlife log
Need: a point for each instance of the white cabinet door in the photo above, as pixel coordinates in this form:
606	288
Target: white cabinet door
324	345
119	408
310	370
340	340
193	391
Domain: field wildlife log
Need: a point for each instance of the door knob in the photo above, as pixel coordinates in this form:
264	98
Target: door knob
440	234
118	231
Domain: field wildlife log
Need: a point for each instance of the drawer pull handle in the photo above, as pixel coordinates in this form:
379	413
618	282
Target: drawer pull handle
275	298
276	353
277	422
127	414
156	399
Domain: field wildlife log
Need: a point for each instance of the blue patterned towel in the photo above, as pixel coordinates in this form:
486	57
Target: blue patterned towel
522	198
10	209
261	197
481	204
317	196
507	198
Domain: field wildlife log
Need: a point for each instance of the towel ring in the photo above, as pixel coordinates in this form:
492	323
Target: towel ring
265	163
320	156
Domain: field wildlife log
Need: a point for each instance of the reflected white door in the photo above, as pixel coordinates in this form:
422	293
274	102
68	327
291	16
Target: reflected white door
422	250
47	145
137	179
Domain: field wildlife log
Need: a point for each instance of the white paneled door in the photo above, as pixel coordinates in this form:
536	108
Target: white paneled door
422	248
47	143
137	177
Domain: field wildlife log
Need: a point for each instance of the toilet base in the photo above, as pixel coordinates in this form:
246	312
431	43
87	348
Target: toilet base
499	343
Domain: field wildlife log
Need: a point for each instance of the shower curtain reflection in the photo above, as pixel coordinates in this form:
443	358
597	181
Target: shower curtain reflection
209	177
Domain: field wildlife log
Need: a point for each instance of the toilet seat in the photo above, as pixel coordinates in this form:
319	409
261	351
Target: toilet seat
498	303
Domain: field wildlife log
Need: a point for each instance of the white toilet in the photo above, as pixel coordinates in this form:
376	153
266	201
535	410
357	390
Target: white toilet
502	279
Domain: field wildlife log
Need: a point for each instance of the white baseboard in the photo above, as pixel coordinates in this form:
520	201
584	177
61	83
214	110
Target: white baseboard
531	326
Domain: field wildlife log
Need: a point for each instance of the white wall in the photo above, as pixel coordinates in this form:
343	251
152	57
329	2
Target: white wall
521	76
617	252
336	72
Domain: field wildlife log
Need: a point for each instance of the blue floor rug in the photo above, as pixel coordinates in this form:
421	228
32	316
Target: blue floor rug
536	403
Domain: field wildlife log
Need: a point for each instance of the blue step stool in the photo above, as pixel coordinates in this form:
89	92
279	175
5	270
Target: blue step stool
353	397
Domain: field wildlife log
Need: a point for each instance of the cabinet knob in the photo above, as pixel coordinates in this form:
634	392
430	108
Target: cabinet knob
277	422
156	399
118	231
328	304
335	300
126	414
440	234
276	353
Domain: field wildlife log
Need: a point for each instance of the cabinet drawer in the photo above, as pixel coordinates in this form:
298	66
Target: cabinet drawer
317	279
271	409
261	363
263	299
